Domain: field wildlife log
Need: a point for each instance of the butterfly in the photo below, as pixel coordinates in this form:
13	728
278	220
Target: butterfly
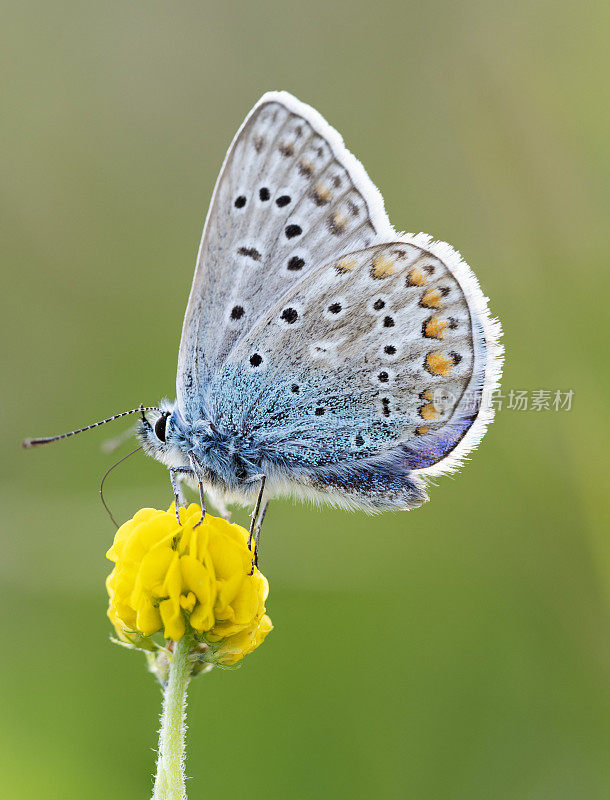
323	355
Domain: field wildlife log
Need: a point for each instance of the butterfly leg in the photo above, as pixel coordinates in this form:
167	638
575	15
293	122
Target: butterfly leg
257	506
179	499
197	470
253	519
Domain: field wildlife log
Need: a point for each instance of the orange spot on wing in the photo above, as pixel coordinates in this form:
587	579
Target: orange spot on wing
434	327
428	412
432	298
415	277
305	167
383	267
322	194
337	222
438	364
422	429
426	395
346	264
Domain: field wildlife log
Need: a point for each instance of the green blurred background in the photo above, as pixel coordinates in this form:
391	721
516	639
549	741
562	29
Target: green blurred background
454	653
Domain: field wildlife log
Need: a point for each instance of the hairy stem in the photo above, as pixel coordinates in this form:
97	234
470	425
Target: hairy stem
169	781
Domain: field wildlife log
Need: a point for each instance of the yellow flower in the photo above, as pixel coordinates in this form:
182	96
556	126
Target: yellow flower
234	648
178	578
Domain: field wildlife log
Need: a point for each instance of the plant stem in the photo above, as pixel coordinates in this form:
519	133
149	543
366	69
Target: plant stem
169	781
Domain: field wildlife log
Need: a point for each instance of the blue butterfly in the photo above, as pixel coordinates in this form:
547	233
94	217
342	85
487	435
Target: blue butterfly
323	355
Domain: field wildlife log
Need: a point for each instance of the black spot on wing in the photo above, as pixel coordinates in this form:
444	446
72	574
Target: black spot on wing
295	263
250	252
293	230
289	315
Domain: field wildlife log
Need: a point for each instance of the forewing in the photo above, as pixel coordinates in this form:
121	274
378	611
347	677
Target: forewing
289	198
387	350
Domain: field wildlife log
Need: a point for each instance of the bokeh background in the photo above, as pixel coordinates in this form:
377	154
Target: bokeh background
458	652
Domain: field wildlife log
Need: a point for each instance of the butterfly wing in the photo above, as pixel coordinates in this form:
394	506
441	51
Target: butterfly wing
372	371
289	197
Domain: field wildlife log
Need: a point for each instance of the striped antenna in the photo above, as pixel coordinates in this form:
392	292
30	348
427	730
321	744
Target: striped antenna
48	439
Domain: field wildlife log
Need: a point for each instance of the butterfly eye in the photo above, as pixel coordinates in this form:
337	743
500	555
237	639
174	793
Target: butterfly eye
160	426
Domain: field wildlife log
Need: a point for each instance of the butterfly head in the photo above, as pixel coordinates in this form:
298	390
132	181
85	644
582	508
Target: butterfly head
166	436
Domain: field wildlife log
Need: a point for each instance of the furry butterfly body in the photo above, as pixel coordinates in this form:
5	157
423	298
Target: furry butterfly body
322	353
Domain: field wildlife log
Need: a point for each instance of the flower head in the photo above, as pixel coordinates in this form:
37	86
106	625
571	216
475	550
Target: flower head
179	578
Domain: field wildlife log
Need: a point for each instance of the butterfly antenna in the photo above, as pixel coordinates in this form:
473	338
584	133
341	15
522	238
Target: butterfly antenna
106	474
27	443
